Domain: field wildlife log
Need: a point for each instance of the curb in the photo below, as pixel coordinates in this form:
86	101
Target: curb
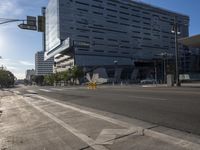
172	140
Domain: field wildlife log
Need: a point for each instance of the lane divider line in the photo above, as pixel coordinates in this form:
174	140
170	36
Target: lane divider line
92	114
45	90
149	98
146	132
75	132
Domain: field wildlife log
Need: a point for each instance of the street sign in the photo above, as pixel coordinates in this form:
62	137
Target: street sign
41	24
30	25
27	27
31	21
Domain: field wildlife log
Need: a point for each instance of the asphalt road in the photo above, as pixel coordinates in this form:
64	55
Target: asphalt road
177	108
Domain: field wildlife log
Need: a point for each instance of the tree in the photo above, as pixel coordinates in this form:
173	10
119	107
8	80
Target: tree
76	73
7	79
49	79
38	79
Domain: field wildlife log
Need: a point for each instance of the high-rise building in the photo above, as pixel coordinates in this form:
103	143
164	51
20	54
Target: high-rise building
43	67
115	38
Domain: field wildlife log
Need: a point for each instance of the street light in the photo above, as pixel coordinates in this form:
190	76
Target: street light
176	31
115	62
5	20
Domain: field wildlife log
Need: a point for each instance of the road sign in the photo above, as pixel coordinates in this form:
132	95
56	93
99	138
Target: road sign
27	27
41	24
31	21
30	25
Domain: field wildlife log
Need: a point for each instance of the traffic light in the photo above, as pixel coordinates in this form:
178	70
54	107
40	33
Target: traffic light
41	24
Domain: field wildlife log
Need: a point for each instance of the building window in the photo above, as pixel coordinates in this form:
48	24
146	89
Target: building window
81	3
99	7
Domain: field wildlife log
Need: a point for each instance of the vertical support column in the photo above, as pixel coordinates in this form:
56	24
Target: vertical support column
176	50
44	32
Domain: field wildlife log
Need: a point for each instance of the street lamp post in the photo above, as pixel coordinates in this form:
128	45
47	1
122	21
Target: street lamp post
115	62
44	32
155	71
176	31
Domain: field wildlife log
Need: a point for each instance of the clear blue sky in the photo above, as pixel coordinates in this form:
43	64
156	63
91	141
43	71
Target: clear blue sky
18	47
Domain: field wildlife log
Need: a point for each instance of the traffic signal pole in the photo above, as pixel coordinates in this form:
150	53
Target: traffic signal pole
44	32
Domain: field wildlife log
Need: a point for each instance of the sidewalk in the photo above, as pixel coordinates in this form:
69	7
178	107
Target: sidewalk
194	85
32	122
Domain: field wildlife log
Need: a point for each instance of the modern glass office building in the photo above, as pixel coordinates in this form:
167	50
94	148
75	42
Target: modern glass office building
43	67
114	37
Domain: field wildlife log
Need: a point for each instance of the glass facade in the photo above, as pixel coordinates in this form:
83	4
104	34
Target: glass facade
104	31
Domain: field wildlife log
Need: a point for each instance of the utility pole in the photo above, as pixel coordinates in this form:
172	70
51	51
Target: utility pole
44	32
155	71
176	31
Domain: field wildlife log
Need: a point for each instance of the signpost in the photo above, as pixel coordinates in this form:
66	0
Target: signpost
31	21
30	25
41	24
27	27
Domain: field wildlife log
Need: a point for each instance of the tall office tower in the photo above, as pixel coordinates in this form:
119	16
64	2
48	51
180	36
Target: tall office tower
116	38
43	67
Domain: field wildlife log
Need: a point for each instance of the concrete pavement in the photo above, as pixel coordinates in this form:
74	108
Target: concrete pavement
31	121
176	108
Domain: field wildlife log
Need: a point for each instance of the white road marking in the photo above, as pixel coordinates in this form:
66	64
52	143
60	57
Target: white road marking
77	133
31	91
17	92
154	85
56	89
92	114
108	136
150	98
45	90
104	135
